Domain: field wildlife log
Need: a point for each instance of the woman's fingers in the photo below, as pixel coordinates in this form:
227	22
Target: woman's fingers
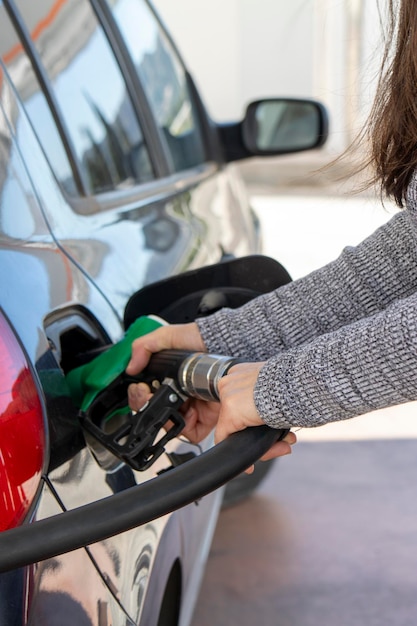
200	419
178	336
280	448
138	394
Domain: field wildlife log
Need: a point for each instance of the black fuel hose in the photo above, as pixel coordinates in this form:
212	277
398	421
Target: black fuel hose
138	505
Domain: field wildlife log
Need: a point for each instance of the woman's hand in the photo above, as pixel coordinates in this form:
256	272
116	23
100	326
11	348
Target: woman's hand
236	409
200	416
237	406
177	336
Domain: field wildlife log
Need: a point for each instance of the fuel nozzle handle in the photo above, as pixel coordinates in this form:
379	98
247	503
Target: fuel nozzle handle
196	373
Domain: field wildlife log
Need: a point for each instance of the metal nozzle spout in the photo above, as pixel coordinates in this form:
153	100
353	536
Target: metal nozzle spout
199	374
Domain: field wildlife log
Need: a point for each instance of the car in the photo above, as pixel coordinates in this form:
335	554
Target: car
119	199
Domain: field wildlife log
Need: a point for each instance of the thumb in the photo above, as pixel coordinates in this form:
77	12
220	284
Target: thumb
139	358
144	347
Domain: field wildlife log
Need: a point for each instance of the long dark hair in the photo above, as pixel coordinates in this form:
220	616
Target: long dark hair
392	126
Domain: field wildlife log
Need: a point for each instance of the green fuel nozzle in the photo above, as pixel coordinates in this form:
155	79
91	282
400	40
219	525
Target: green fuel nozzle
100	389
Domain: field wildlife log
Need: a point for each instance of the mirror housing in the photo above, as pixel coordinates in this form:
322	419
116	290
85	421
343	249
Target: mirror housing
276	126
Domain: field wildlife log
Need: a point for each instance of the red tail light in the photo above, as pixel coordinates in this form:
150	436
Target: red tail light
22	432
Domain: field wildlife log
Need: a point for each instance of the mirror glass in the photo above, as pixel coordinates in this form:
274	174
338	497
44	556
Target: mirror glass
285	125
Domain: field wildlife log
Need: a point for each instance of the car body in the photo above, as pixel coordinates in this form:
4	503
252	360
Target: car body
112	177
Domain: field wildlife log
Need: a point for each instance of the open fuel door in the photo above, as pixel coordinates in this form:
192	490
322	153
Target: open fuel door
200	292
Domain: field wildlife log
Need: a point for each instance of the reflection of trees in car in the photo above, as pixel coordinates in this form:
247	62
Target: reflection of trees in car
95	164
115	160
68	592
52	605
167	89
169	98
163	87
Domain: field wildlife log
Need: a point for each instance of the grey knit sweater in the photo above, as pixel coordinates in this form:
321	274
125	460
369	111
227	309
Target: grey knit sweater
340	342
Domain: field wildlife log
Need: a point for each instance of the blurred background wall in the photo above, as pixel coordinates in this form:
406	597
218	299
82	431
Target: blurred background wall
240	50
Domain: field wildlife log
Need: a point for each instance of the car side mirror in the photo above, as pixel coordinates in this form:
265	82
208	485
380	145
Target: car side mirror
275	126
281	126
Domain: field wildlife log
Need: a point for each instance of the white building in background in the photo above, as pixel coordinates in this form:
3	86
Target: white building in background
241	50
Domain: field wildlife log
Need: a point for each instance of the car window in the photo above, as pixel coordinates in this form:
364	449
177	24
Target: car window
90	92
26	83
164	80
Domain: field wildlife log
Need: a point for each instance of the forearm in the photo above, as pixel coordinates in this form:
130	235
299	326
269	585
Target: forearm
368	365
362	281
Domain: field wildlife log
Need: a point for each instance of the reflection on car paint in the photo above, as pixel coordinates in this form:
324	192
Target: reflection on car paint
88	85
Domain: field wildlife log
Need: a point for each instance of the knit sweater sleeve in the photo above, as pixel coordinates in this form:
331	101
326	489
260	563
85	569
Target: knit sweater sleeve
367	365
363	281
338	343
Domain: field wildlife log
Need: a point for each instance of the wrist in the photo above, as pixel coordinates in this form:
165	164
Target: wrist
187	337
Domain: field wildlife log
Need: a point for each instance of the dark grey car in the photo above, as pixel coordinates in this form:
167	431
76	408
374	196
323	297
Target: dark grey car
112	177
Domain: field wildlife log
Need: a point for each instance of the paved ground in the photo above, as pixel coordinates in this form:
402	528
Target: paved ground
331	537
329	540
